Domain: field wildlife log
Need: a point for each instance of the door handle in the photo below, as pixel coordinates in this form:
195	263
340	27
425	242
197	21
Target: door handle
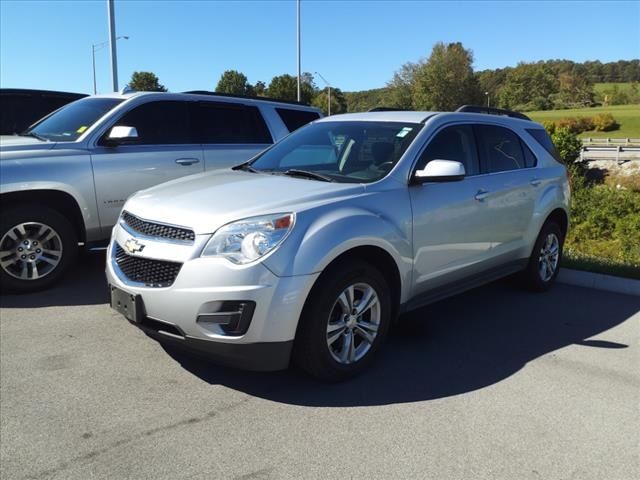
535	182
187	161
481	195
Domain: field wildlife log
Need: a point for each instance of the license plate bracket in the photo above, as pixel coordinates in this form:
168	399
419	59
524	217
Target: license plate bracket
127	304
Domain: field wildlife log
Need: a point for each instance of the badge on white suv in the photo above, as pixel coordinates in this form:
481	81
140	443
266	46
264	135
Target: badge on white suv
133	246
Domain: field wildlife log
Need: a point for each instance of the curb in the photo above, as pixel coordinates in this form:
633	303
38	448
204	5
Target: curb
599	281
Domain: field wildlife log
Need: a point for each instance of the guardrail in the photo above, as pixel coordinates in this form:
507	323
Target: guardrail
610	142
618	153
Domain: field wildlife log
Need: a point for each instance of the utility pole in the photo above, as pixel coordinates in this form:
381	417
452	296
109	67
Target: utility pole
112	44
329	92
298	32
94	48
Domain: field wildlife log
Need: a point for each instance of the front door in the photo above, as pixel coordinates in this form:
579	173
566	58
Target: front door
452	234
165	149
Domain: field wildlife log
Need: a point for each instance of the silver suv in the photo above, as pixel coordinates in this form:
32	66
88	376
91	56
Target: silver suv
63	182
311	250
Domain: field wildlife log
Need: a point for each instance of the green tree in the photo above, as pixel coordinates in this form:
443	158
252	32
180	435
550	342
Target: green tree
285	87
400	88
260	88
146	82
234	83
446	81
338	101
529	86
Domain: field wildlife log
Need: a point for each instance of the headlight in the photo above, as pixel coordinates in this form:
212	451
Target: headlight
247	240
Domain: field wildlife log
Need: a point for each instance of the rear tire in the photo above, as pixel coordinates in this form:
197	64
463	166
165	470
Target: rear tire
544	263
344	322
37	246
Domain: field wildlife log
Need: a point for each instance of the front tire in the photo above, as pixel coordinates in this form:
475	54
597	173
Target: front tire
344	322
37	246
544	263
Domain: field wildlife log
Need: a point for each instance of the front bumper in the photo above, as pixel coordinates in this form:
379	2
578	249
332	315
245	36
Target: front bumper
175	314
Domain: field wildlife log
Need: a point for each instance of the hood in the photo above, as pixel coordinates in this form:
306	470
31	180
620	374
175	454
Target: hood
205	202
12	143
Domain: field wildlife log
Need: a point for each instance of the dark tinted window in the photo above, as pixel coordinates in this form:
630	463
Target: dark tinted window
542	137
72	120
530	159
20	109
453	143
231	123
500	149
160	123
294	119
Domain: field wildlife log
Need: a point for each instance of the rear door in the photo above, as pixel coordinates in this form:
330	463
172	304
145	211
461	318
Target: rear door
507	166
231	133
165	149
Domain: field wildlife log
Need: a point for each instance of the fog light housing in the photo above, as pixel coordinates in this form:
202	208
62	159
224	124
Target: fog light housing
233	317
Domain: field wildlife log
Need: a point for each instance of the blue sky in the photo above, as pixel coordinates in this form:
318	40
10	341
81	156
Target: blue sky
354	44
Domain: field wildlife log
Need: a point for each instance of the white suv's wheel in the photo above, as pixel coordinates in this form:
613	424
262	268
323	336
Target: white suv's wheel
37	244
344	322
544	263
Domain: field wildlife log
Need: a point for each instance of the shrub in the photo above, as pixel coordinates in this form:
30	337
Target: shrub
604	122
606	223
549	126
567	143
570	124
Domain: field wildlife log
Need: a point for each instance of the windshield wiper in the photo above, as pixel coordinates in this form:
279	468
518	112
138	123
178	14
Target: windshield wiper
246	166
34	135
294	172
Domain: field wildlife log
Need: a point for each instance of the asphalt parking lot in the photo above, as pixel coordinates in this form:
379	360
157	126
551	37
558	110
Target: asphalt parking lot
496	383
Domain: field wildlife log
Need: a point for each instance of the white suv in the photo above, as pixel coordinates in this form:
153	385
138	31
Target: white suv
65	179
312	249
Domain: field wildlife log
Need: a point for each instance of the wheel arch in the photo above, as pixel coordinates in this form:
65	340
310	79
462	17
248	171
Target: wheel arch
58	200
380	259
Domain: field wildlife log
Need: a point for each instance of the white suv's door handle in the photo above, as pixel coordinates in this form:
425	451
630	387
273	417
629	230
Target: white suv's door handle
187	161
535	182
481	195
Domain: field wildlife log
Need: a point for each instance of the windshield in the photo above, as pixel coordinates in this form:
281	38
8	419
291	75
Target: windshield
72	120
352	152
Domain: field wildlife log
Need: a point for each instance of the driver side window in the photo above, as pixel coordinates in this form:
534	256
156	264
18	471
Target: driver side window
453	143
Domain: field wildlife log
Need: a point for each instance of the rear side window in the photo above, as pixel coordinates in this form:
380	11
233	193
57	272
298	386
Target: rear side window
228	123
530	159
294	119
160	123
542	137
453	143
500	149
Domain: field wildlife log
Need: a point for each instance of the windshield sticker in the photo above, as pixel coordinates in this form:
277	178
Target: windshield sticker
403	133
81	129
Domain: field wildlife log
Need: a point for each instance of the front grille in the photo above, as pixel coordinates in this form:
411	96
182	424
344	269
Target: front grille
153	273
159	230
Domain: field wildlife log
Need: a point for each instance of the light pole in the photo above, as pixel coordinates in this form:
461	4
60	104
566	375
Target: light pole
94	48
329	93
487	94
298	42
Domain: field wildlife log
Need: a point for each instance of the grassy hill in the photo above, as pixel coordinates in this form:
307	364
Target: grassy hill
625	87
628	116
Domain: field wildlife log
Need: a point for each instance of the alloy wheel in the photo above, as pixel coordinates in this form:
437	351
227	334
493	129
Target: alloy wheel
30	251
549	257
353	323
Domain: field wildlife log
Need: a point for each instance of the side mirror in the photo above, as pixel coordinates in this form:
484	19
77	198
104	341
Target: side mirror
122	134
440	171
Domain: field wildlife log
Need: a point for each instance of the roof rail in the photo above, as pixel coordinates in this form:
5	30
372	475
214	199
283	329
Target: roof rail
492	111
250	97
389	109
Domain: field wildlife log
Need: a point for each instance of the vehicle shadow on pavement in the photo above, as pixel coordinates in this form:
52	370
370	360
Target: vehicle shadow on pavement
85	284
455	346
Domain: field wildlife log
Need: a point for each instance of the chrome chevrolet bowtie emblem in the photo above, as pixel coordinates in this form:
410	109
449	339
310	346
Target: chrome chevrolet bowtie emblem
133	246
